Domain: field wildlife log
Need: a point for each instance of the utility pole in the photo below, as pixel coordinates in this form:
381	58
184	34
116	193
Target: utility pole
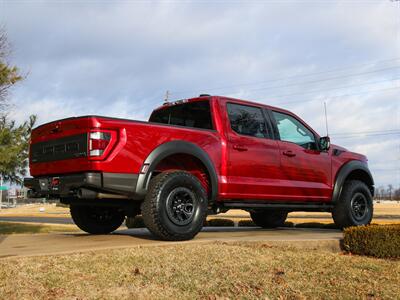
166	97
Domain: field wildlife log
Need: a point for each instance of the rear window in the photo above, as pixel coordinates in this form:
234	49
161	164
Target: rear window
193	114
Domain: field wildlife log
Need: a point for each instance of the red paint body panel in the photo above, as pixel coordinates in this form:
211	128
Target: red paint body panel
247	167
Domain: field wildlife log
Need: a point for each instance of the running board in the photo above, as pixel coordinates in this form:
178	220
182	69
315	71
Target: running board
278	205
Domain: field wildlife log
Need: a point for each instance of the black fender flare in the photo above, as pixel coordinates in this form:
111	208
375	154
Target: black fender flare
345	171
177	147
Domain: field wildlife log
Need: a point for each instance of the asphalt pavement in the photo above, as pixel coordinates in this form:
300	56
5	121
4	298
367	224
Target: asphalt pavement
50	220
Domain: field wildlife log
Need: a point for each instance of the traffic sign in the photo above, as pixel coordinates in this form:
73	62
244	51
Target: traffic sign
3	188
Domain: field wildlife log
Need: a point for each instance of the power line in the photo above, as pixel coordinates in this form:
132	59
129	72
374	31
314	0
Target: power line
338	96
366	135
151	104
290	77
321	80
303	75
368	132
334	88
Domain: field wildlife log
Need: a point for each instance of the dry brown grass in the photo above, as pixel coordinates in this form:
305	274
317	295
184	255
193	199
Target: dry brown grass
206	271
33	210
387	208
51	210
16	227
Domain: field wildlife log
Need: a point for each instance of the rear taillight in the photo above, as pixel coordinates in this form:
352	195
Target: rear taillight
98	142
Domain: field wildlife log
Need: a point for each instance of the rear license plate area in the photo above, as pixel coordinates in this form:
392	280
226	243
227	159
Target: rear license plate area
55	184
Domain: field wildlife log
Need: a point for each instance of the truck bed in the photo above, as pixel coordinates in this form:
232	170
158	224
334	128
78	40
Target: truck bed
62	146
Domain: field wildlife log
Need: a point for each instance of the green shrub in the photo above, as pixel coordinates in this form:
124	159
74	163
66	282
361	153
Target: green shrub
220	223
381	241
135	222
246	223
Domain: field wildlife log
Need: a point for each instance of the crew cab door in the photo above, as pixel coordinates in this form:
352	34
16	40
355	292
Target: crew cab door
253	156
306	171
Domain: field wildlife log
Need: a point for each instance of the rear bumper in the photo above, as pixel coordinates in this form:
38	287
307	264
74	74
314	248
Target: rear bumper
67	186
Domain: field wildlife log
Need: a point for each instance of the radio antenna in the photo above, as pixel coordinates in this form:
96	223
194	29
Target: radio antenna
326	119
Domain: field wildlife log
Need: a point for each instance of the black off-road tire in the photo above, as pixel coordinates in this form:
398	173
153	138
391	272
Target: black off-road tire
269	218
168	218
97	220
355	205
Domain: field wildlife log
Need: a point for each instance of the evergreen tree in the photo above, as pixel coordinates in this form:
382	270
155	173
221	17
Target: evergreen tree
14	145
14	139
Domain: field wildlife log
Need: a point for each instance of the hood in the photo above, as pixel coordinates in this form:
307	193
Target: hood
338	150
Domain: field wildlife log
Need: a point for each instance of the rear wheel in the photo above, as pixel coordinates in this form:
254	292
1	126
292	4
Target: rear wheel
269	218
355	206
97	220
175	206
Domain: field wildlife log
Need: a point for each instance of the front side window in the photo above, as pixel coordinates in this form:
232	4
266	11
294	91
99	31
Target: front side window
292	130
192	114
247	120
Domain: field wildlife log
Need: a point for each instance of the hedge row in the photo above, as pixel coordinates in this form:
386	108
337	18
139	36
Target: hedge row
381	241
219	222
246	223
137	222
250	223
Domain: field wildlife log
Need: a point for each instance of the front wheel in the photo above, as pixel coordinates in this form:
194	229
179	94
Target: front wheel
175	206
97	220
355	206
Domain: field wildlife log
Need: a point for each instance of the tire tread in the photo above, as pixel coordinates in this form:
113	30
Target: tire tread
340	212
150	213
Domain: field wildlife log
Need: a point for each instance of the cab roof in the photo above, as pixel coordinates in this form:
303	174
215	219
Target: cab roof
219	98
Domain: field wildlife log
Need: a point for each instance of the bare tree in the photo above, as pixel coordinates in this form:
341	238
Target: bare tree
389	191
380	193
4	46
397	194
8	74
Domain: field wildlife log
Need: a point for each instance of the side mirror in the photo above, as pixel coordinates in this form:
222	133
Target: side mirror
324	143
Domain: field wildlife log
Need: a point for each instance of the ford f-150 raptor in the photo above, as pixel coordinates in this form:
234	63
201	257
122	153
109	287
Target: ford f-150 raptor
197	156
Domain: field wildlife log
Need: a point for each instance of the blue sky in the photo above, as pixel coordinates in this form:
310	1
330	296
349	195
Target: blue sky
118	58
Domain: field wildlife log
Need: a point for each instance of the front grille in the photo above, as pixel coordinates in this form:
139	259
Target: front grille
65	148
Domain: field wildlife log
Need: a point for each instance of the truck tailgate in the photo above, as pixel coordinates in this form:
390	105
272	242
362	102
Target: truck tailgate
55	142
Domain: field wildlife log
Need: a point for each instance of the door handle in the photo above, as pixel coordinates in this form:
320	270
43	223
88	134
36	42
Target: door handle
289	153
239	147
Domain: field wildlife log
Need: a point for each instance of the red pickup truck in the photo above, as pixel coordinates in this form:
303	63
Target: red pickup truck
197	156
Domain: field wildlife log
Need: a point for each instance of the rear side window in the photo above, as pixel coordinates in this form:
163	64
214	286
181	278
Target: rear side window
193	114
247	120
